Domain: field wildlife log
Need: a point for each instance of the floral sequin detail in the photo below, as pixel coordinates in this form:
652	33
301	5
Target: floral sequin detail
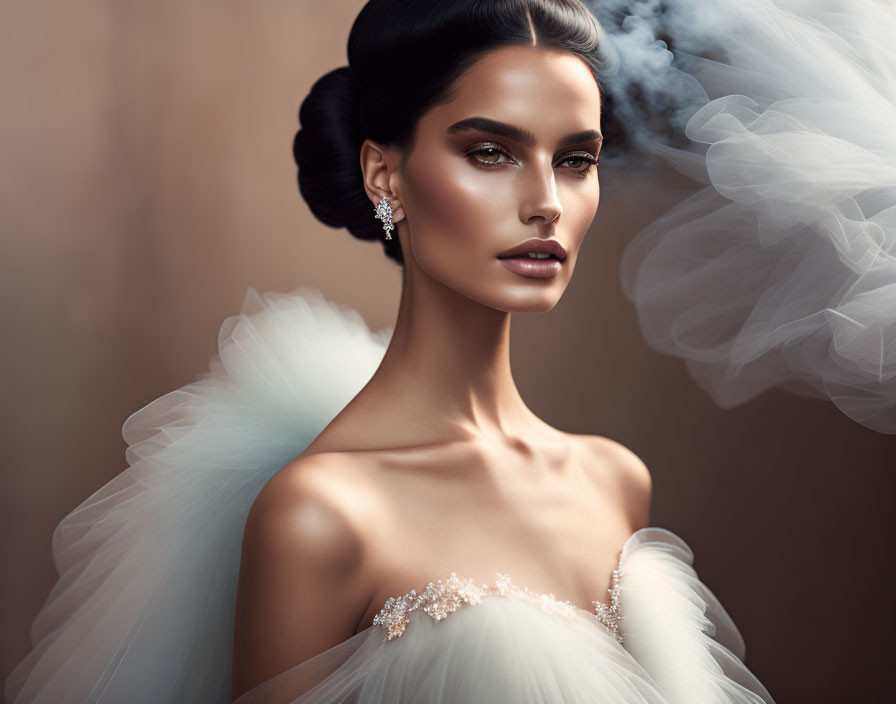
609	615
443	597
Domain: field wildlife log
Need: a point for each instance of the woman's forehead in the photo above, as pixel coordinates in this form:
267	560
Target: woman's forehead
542	91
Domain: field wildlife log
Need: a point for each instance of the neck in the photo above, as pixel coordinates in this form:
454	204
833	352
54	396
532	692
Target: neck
446	373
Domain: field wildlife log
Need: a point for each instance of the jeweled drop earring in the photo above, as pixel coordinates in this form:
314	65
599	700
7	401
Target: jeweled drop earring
384	212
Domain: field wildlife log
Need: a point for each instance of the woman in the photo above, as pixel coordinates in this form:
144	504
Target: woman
486	154
416	533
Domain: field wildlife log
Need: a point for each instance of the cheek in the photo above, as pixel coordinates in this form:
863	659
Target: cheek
590	206
451	206
580	210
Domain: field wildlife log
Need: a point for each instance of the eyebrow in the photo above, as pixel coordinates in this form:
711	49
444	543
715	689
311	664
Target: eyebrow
519	134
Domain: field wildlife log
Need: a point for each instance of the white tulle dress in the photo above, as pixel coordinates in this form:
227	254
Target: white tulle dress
143	609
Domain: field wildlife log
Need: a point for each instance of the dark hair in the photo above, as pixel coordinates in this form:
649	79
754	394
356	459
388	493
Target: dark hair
404	57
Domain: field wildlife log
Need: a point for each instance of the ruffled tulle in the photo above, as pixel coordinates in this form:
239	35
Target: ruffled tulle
782	271
143	608
501	650
680	646
677	629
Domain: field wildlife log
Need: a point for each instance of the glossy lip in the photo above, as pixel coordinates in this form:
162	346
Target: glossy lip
536	245
532	268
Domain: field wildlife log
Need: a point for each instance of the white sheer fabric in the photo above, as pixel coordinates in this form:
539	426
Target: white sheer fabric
782	270
143	609
679	646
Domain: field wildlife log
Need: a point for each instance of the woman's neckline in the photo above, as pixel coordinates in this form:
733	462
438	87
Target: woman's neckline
441	597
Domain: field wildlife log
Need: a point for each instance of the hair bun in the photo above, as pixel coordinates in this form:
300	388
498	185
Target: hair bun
405	57
326	151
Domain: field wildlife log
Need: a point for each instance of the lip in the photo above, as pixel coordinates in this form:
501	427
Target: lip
536	245
533	268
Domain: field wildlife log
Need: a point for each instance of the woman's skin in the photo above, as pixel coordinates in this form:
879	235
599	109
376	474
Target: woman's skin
437	465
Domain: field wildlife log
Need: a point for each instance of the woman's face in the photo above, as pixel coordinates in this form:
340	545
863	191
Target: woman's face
509	159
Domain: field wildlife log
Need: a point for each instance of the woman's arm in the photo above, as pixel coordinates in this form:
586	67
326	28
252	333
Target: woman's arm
299	590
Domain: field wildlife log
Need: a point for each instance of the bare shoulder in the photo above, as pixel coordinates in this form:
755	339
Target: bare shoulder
301	588
311	504
626	470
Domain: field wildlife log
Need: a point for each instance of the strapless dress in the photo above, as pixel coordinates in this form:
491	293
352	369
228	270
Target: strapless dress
143	609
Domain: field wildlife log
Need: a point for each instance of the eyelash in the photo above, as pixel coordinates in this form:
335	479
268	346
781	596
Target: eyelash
581	156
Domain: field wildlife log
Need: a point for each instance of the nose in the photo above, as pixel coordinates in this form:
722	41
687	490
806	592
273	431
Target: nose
540	198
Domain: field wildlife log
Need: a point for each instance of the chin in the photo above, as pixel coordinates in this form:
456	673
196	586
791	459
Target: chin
517	299
512	293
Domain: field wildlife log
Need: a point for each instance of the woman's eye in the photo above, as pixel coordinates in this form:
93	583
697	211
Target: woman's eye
580	159
585	162
490	156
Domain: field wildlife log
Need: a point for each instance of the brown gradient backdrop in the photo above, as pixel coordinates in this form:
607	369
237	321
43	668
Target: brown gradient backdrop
147	181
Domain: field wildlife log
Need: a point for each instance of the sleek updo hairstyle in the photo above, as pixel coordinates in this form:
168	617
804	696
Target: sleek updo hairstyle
404	57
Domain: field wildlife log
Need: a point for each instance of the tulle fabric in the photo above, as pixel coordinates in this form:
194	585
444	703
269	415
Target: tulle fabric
782	270
143	608
501	650
677	629
680	646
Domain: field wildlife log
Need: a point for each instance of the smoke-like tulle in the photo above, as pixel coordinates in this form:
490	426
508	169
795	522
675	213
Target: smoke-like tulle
782	271
680	646
143	607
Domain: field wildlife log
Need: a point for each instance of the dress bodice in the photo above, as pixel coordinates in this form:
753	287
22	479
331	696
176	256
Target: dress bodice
662	637
442	597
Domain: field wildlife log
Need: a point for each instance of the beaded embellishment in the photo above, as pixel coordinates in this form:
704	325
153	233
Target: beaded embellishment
609	615
443	597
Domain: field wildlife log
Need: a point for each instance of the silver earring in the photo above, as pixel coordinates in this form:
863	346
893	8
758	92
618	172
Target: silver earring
384	212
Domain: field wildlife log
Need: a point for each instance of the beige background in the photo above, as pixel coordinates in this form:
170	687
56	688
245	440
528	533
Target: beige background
147	181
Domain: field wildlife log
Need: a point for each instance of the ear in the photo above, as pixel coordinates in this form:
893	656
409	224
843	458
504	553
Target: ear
382	177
